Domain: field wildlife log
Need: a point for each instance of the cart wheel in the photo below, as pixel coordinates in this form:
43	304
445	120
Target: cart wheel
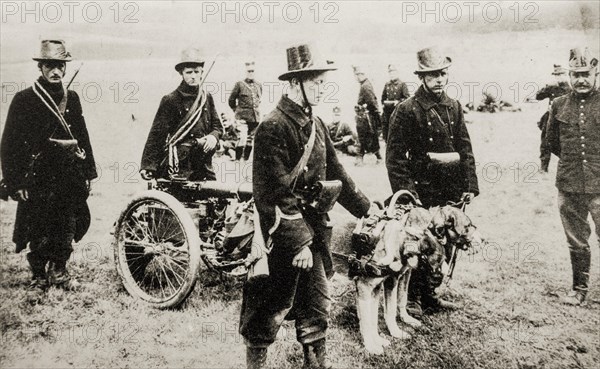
157	249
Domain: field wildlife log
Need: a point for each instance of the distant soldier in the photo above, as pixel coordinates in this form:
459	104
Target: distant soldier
429	153
48	163
573	134
344	139
367	100
186	129
245	102
550	92
394	92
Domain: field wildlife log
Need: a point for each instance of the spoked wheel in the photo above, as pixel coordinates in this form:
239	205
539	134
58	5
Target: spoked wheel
157	249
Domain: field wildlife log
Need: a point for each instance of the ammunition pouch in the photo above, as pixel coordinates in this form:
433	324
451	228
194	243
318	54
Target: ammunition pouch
444	159
322	196
367	234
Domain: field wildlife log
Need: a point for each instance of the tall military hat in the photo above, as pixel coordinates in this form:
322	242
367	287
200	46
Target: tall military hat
301	59
580	60
53	50
558	70
190	57
431	59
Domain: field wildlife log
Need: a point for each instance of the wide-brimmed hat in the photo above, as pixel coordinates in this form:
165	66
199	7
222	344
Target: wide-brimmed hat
580	60
558	70
190	57
301	60
53	50
431	59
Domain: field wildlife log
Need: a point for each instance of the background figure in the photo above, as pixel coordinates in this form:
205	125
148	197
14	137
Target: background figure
245	102
394	92
368	100
47	163
344	139
574	136
192	155
427	125
230	136
559	87
368	140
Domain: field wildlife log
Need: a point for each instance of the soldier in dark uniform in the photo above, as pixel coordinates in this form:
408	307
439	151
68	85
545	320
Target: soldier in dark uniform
574	136
244	101
191	157
394	92
368	100
550	92
300	260
426	126
342	136
47	163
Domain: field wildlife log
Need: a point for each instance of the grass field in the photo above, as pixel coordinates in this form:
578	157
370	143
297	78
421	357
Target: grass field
511	316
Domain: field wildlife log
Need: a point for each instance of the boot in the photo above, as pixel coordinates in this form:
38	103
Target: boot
413	303
247	152
315	355
544	166
256	357
575	298
436	303
580	266
60	277
39	279
239	152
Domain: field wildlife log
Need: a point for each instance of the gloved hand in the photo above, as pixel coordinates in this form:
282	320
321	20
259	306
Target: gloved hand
147	175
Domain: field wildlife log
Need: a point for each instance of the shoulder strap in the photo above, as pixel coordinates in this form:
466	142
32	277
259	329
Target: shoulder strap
292	177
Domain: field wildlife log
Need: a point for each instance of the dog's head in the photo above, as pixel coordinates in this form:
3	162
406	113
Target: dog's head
452	227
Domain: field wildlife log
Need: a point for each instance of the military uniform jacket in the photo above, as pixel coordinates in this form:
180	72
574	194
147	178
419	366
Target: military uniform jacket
279	143
366	96
338	130
415	130
54	175
173	107
574	136
245	100
393	90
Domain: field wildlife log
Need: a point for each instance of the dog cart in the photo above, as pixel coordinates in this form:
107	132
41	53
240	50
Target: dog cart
164	234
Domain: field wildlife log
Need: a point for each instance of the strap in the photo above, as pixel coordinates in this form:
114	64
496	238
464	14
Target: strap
54	108
448	125
295	173
187	126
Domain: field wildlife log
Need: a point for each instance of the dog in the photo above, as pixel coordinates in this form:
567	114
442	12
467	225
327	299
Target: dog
454	230
398	235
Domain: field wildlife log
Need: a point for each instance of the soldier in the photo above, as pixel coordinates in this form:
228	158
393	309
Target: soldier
186	128
244	101
574	136
368	100
300	259
342	136
394	92
550	91
48	163
426	129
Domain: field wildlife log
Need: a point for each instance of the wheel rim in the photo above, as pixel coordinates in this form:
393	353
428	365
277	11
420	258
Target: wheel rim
154	251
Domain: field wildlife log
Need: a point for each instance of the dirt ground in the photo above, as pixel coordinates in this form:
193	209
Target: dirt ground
510	315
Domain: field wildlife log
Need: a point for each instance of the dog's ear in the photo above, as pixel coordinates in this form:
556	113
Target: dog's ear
449	217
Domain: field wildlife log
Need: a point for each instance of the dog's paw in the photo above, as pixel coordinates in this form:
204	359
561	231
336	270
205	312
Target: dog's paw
396	332
384	341
386	260
374	348
415	323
